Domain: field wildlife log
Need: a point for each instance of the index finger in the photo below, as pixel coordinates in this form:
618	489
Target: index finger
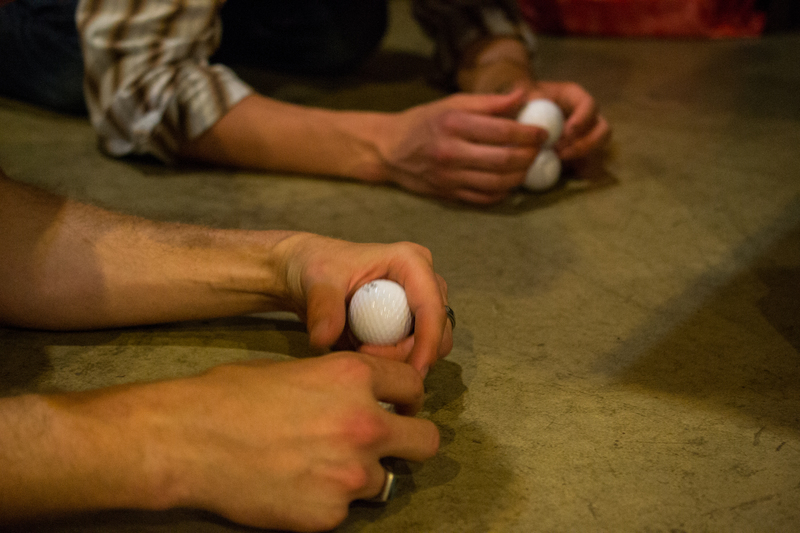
410	438
498	131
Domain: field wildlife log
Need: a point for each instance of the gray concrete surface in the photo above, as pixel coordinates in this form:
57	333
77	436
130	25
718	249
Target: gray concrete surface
627	356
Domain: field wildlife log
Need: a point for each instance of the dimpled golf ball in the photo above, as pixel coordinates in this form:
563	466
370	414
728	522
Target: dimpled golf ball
546	115
379	313
544	171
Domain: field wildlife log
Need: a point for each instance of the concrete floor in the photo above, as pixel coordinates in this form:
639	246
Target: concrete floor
627	356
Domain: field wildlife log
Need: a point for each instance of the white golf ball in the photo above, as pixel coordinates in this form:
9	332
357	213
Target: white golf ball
544	172
379	313
546	115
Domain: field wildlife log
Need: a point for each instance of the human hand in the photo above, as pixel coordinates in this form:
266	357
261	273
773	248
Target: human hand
298	441
586	131
322	274
501	65
283	445
466	146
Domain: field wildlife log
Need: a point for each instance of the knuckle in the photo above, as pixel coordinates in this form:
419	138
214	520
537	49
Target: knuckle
443	154
426	254
449	119
351	369
507	159
412	248
352	477
364	428
417	387
442	282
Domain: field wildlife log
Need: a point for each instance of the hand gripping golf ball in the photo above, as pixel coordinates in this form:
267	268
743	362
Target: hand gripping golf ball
546	168
379	313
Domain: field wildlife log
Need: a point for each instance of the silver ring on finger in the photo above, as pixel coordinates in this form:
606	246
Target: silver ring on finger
451	315
387	491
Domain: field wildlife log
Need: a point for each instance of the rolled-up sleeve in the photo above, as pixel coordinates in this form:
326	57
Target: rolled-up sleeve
148	82
456	24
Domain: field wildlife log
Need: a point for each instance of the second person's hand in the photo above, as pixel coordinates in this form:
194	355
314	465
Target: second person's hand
466	147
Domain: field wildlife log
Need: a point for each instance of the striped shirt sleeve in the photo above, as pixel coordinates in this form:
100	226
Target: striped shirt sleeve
456	24
148	82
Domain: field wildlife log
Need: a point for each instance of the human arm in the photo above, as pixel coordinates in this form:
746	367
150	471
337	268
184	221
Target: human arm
69	265
465	147
151	90
276	445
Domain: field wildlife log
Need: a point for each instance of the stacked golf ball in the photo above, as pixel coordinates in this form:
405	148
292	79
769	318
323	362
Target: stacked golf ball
546	168
379	313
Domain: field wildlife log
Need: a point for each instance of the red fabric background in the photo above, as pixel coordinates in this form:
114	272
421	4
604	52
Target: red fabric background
645	18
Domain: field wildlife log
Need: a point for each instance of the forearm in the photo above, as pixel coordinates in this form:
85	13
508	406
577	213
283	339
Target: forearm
72	266
57	456
267	134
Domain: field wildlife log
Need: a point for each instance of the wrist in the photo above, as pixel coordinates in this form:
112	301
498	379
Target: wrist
288	257
251	271
495	66
366	132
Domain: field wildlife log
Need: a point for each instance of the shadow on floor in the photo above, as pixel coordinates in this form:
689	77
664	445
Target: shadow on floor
26	360
739	351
